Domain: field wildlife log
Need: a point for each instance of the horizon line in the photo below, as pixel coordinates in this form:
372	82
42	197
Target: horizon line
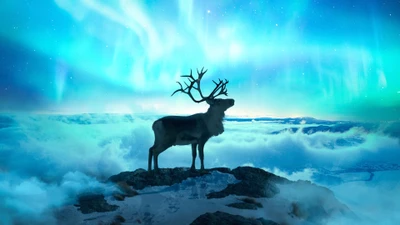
183	114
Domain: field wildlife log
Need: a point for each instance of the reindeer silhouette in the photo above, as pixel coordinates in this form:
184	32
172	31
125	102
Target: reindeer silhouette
195	129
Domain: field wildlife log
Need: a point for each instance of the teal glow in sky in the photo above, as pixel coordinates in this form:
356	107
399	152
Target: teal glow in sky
326	59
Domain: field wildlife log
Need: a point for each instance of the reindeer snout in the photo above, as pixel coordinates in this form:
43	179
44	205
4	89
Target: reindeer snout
232	102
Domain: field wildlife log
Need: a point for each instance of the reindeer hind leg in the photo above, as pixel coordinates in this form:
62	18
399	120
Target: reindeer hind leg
151	154
157	129
157	151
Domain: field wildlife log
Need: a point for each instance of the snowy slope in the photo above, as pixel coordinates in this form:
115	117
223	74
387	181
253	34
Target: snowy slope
183	202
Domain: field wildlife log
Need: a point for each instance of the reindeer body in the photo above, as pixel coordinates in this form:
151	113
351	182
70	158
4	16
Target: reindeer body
195	129
181	130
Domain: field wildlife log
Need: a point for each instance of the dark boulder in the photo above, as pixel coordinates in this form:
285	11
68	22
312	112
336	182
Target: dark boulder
246	203
141	178
222	218
254	182
94	203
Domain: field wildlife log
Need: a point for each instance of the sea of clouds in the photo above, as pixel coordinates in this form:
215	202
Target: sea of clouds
46	160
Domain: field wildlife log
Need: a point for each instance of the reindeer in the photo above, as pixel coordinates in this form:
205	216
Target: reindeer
195	129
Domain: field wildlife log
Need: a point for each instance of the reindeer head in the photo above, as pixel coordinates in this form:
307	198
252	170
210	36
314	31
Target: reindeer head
217	104
221	104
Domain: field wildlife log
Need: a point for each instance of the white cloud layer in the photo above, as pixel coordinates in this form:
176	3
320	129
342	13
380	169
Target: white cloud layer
46	160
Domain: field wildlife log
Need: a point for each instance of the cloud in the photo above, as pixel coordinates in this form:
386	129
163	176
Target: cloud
50	146
53	157
30	200
373	202
247	142
376	201
101	145
305	174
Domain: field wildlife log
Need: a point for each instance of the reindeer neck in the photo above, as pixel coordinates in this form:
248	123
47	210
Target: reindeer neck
213	112
213	118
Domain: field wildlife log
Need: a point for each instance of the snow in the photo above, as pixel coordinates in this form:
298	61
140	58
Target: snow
177	204
183	203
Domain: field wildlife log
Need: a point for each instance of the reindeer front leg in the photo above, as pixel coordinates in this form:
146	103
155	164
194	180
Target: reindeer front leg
156	161
201	154
202	142
193	167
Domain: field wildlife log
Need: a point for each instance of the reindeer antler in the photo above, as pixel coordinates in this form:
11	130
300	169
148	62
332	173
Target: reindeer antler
220	86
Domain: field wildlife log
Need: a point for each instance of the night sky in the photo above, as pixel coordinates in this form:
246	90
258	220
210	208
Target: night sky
320	58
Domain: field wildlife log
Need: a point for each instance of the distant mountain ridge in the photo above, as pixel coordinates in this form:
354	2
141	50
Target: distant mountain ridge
308	125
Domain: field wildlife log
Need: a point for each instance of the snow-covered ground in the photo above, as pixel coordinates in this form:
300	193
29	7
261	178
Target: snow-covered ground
181	204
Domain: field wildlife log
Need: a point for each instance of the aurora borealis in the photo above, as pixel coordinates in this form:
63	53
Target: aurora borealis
325	59
82	81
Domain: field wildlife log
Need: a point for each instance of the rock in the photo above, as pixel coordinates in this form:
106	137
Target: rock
140	178
267	222
243	205
309	202
222	218
254	182
247	203
118	196
252	173
125	191
251	201
94	203
118	220
312	213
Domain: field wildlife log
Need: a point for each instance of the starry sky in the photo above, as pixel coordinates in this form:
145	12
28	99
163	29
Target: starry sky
283	58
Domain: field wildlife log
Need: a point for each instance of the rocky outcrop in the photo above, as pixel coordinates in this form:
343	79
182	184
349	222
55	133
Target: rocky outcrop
246	203
254	188
124	191
94	203
222	218
254	182
141	178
